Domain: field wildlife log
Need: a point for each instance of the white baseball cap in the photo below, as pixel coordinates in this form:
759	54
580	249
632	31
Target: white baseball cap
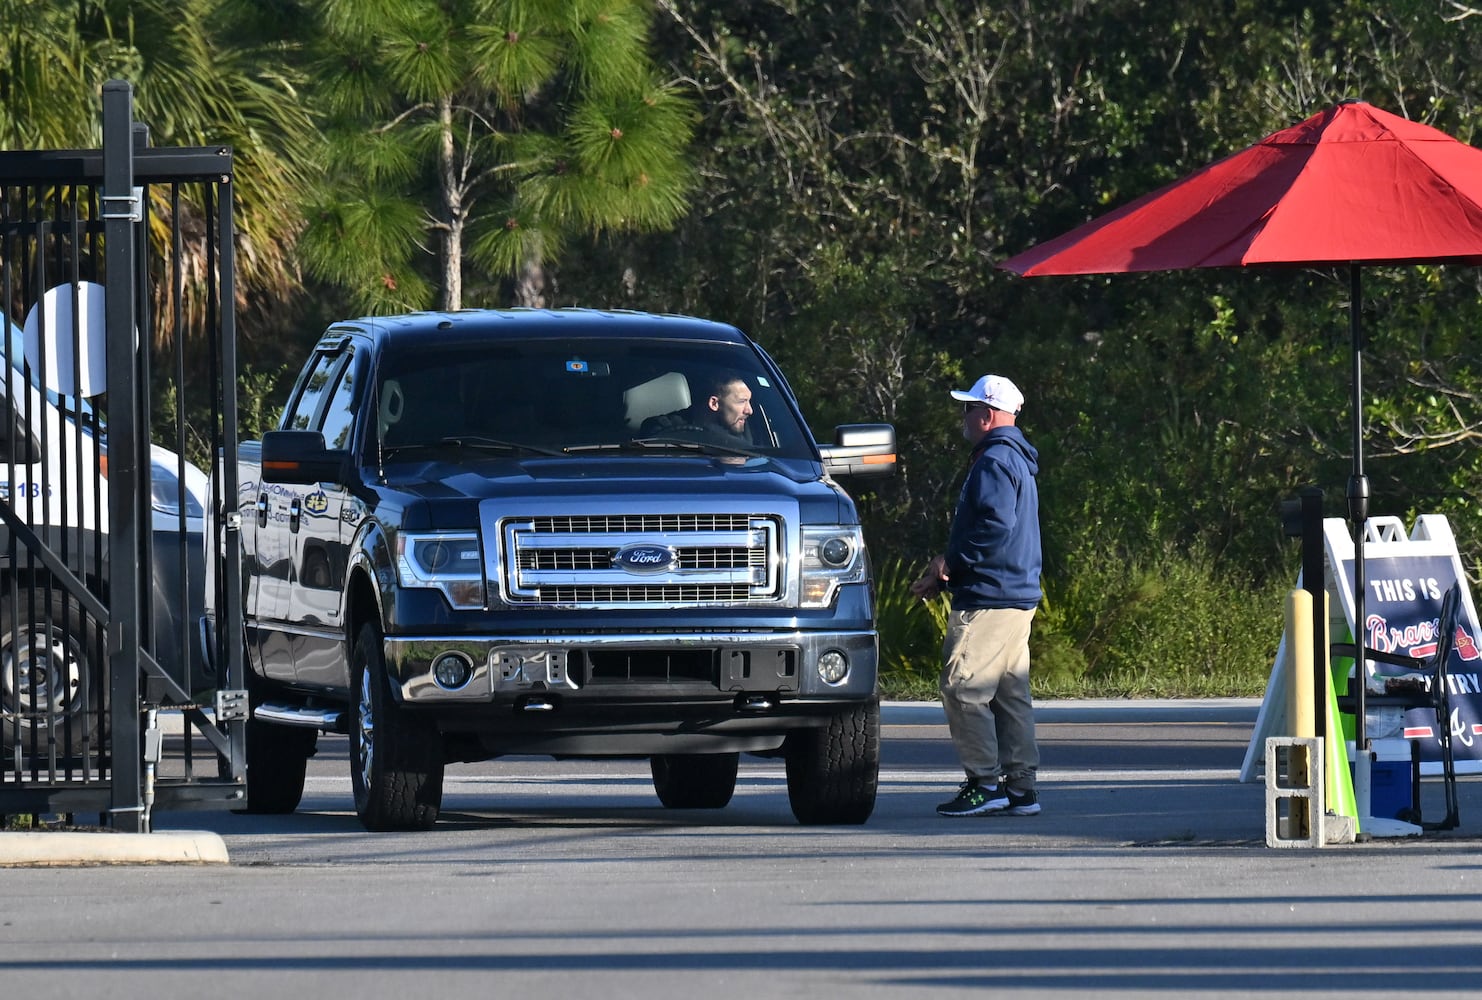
995	390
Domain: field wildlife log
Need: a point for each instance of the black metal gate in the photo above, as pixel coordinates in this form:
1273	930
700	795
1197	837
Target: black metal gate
119	365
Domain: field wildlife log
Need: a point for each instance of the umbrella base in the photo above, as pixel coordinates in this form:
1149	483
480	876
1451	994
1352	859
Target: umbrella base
1378	826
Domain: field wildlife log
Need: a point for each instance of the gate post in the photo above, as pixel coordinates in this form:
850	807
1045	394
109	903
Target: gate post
119	211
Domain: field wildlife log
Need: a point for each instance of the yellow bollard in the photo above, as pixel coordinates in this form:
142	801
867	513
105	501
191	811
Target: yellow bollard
1300	718
1335	799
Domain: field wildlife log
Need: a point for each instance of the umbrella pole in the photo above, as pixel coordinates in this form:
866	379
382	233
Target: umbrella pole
1358	512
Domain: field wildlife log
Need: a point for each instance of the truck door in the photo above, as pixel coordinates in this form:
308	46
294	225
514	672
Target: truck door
319	541
280	508
264	598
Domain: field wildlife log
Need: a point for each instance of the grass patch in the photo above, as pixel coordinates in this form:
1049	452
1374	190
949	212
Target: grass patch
1174	627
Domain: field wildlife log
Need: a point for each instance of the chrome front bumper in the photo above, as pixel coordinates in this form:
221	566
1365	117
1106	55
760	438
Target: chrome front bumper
513	666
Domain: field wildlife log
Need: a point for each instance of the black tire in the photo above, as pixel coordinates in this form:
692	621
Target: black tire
277	757
396	758
277	760
833	771
53	676
695	781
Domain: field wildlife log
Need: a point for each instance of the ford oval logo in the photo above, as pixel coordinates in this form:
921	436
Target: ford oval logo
646	558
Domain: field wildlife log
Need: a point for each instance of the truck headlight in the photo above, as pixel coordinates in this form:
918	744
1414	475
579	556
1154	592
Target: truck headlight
447	561
832	555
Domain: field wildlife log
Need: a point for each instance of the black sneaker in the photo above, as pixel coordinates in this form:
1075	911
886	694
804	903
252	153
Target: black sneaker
1026	804
974	799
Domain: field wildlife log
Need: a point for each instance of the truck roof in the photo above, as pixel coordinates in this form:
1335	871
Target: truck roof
435	327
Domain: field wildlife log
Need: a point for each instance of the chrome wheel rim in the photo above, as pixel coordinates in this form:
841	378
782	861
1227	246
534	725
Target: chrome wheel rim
365	733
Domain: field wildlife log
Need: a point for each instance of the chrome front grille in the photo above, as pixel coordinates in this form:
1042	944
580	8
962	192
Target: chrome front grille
708	559
587	524
713	557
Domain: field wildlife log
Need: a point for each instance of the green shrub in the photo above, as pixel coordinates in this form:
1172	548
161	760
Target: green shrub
911	633
259	403
1056	662
1178	626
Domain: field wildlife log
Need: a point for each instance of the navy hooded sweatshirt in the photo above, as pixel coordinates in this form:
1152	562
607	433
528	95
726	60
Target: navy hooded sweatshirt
993	553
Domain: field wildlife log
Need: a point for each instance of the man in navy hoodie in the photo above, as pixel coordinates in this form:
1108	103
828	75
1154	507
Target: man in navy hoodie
991	568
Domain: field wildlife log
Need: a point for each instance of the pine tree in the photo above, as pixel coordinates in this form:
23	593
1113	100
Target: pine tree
468	140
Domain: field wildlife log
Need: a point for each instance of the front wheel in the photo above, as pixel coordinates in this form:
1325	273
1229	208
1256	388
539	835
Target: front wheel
695	781
833	771
396	759
52	675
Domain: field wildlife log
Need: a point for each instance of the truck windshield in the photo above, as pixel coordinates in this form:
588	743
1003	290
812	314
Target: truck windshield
580	396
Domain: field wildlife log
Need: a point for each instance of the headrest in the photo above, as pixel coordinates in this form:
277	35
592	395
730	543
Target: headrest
664	394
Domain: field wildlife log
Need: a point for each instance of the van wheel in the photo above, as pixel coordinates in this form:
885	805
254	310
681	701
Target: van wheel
53	676
695	781
396	758
833	771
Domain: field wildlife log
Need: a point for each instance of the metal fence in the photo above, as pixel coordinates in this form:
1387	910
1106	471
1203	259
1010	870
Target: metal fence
116	270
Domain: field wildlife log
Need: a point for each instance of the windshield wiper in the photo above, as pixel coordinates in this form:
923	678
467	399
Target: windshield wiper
477	443
659	443
495	444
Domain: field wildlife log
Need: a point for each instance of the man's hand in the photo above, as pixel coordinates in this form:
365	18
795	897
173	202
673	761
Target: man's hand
929	584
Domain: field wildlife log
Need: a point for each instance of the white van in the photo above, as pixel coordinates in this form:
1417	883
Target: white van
54	478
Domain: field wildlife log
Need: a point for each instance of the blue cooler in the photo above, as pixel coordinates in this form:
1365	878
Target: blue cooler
1391	780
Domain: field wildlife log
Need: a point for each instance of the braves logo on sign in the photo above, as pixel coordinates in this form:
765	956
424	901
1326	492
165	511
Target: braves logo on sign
1418	640
1466	646
645	558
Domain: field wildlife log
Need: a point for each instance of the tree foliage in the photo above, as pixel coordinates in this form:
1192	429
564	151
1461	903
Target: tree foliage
839	177
470	140
869	163
202	75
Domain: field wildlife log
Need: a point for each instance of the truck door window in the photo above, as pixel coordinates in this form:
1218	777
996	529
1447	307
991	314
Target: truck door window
339	412
304	410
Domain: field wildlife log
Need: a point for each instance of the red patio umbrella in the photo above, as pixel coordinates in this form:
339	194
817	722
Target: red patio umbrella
1351	185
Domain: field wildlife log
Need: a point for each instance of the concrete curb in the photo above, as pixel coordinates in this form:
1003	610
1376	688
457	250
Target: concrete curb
44	848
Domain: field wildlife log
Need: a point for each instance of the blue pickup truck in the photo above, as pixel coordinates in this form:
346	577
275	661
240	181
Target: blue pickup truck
571	533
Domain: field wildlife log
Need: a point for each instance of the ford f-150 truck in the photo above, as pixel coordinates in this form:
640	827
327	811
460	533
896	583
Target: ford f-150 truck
492	532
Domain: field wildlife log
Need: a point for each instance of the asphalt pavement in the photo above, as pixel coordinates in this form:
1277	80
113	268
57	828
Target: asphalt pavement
1129	772
1147	874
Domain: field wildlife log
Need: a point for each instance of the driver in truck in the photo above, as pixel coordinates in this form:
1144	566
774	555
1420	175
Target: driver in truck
721	415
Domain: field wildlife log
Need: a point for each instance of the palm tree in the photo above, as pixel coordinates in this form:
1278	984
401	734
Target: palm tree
470	139
204	72
46	87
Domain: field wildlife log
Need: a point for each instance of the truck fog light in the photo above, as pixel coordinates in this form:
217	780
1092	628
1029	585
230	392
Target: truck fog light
452	670
833	667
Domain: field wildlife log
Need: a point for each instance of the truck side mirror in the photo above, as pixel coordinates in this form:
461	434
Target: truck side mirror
300	457
860	450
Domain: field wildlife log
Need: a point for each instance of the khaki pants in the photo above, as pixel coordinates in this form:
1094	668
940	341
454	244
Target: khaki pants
985	691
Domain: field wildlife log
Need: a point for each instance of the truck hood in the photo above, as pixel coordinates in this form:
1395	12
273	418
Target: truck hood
819	499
